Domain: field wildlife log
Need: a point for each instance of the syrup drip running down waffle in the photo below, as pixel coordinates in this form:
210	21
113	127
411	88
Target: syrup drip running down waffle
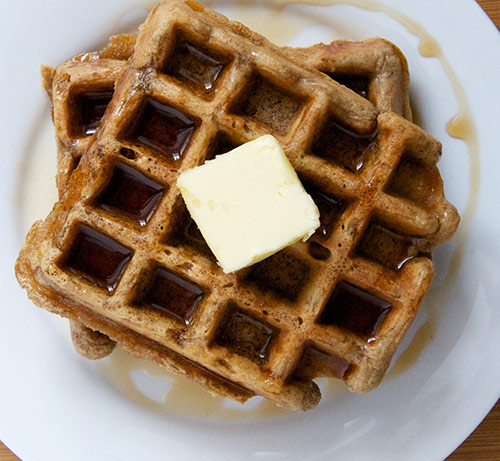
136	269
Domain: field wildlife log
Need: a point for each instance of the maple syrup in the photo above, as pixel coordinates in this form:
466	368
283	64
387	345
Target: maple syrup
182	396
97	258
330	209
92	105
246	335
172	295
132	193
355	310
163	128
197	68
389	248
343	146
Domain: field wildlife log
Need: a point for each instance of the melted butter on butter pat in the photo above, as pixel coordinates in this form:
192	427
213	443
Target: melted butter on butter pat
249	203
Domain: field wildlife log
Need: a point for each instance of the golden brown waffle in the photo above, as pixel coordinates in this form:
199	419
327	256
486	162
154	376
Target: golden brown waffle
375	68
119	254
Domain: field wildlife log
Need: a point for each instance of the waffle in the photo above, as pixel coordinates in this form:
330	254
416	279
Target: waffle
119	253
82	87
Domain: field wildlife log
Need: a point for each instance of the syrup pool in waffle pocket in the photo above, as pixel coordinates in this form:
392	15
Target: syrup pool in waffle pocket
134	267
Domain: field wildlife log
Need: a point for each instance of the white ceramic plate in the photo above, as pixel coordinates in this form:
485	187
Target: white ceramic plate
446	375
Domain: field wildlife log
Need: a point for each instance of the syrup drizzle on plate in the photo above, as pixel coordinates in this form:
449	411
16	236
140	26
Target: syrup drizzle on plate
156	389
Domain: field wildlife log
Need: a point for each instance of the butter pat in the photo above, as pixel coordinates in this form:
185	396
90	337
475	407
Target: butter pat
249	203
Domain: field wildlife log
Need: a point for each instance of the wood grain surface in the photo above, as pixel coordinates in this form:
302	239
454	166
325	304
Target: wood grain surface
484	443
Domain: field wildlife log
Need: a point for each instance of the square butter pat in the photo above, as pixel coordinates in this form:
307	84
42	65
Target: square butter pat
249	203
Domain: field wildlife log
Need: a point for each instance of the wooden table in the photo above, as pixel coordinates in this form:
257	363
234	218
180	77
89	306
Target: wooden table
484	443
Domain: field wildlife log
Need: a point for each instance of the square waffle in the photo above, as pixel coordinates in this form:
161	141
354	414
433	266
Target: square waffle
81	88
118	253
375	68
